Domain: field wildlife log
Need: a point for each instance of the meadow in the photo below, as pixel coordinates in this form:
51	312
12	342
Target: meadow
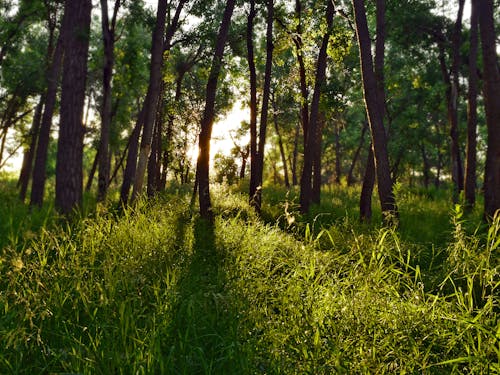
153	289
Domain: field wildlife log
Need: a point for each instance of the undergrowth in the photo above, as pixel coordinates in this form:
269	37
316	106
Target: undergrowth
155	289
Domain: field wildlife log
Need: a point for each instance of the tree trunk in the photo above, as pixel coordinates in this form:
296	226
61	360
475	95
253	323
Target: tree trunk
253	101
338	170
426	167
90	179
27	166
256	198
150	103
108	36
471	155
375	115
312	139
130	167
203	164
492	107
69	174
39	169
316	180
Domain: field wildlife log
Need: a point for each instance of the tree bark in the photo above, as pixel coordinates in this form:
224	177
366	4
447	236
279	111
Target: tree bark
256	198
471	154
108	36
492	107
203	164
27	166
40	167
253	100
304	91
69	174
312	139
130	167
375	116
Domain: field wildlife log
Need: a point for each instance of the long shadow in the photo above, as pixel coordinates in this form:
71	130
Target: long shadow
204	331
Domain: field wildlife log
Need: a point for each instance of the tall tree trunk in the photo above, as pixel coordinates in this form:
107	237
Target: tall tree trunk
426	167
253	100
375	116
370	175
27	165
203	164
40	167
471	155
312	139
158	49
256	198
90	179
108	36
492	107
69	174
150	103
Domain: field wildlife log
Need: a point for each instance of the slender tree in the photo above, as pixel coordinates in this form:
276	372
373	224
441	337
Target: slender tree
108	36
492	107
470	166
203	163
312	140
69	174
375	116
257	169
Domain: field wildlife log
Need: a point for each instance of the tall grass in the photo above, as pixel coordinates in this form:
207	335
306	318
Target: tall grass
154	289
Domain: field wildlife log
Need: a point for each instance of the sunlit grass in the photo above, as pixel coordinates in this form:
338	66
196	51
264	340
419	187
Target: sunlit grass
154	289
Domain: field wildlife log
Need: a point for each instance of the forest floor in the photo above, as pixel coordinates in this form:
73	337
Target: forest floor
156	290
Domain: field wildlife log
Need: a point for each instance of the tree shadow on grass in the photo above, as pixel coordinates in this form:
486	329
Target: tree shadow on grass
204	330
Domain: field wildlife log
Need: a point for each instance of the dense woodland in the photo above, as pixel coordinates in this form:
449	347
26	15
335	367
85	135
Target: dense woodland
348	100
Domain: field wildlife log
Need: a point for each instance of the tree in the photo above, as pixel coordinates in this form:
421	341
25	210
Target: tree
108	37
470	167
75	36
492	107
375	116
203	163
257	159
312	141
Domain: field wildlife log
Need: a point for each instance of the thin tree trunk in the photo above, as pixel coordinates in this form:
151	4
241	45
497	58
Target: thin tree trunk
69	173
312	139
253	100
256	198
492	107
375	115
304	105
471	155
316	178
40	167
158	49
90	179
426	167
203	164
338	170
108	36
27	166
130	167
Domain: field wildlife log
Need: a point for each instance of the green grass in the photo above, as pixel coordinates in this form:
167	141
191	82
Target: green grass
157	290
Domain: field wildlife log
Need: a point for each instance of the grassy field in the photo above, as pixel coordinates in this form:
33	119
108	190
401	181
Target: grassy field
157	290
